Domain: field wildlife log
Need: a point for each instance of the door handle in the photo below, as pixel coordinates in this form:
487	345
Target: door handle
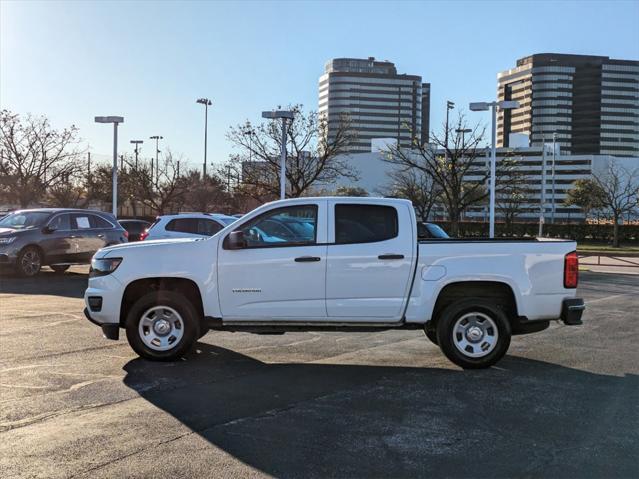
307	259
390	256
100	236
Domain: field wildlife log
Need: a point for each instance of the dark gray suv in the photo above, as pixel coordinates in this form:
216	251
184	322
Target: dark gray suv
55	237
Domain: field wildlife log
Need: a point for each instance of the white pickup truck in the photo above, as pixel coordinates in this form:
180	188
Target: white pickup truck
349	264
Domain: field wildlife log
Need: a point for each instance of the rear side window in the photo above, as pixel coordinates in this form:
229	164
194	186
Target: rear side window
364	223
80	222
208	227
183	225
99	222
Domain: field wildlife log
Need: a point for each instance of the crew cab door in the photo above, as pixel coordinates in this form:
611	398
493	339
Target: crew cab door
281	273
370	260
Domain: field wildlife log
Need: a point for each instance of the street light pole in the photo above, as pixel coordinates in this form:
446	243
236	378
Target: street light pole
284	115
542	199
449	106
116	120
484	106
206	102
157	139
554	143
136	143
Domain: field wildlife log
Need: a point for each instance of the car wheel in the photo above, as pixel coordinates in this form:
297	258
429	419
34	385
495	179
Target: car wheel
431	334
29	262
473	333
162	326
59	268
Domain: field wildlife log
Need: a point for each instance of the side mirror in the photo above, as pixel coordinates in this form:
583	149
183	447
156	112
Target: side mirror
48	229
236	240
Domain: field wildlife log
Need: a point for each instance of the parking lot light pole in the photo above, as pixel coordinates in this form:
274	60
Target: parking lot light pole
485	106
116	120
157	139
207	103
136	143
284	115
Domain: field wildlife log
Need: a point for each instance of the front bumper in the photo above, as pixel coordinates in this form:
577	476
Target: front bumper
109	331
571	311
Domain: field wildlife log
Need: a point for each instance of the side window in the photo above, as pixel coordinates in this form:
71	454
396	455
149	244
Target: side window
183	225
288	226
61	223
207	227
364	223
99	222
80	222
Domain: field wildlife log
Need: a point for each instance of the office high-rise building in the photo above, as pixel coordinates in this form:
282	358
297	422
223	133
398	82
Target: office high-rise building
591	103
379	102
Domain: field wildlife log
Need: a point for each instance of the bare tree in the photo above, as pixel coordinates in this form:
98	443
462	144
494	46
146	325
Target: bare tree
164	190
68	194
205	194
414	185
453	167
615	190
512	190
313	155
34	156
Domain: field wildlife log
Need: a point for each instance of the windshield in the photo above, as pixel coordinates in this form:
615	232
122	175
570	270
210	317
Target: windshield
24	220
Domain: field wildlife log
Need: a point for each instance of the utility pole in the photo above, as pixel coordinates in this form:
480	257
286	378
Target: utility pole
88	165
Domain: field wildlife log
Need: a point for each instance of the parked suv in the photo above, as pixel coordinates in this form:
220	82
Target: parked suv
55	237
188	225
135	228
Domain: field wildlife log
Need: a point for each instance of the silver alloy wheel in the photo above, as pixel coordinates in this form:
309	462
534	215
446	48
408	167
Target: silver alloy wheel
161	328
30	262
475	335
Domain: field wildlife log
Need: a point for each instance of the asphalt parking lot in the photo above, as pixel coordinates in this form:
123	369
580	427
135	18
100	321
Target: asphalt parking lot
563	403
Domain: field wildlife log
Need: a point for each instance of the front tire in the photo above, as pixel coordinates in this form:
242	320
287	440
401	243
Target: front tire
162	326
474	333
29	262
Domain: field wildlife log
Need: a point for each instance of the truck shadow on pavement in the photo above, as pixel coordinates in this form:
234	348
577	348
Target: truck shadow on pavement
69	284
522	418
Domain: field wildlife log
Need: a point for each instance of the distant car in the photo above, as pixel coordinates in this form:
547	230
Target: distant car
135	228
187	225
430	231
56	237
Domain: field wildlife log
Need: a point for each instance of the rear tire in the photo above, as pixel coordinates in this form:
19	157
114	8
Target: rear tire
162	326
29	262
431	334
473	333
59	269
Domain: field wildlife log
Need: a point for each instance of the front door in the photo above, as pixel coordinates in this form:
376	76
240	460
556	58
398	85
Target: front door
60	244
282	271
370	261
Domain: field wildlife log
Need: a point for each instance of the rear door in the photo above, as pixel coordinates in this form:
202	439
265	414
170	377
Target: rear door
370	260
277	276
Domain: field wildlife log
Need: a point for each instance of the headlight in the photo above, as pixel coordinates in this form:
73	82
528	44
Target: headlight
8	240
101	267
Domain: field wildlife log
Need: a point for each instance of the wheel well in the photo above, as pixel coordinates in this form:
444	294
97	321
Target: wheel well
500	293
36	246
140	287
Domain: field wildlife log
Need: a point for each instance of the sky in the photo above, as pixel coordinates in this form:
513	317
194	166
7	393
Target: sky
149	61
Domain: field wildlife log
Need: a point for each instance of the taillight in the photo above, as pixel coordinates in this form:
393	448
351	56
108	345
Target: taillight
571	270
143	235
